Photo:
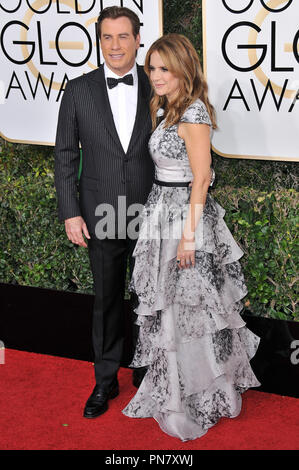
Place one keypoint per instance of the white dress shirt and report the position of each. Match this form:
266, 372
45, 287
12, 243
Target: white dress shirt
123, 102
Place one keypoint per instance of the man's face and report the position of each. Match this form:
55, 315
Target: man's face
118, 44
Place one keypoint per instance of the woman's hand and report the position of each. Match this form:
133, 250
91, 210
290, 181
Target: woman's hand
186, 253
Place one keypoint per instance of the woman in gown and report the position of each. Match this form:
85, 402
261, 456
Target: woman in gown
187, 275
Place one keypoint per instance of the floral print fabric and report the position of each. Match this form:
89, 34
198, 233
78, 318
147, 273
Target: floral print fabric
192, 337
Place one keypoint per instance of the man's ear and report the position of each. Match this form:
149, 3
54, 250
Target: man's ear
98, 33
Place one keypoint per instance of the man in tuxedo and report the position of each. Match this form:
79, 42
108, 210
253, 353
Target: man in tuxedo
107, 112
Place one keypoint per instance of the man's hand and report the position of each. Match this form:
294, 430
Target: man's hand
74, 228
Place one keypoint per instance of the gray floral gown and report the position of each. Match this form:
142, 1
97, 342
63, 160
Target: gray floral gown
192, 337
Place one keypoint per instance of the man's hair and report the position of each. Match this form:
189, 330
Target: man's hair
116, 12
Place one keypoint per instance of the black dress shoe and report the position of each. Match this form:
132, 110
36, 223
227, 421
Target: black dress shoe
138, 375
97, 403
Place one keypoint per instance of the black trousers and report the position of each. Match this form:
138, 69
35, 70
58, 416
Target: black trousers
109, 261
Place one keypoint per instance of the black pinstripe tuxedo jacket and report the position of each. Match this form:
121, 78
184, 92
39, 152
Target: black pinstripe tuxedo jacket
85, 117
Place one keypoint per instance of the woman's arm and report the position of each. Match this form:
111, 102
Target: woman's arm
197, 141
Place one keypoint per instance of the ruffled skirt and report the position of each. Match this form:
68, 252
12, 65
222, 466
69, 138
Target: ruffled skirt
192, 338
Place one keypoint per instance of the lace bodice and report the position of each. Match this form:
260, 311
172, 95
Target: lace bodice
168, 149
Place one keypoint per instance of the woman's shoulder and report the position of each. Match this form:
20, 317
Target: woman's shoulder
196, 113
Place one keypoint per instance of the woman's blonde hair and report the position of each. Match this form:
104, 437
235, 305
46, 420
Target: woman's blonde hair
181, 59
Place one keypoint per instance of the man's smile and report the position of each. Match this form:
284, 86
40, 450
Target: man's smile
116, 56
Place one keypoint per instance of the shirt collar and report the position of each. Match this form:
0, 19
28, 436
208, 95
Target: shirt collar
109, 73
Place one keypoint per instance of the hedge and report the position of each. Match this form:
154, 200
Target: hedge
34, 250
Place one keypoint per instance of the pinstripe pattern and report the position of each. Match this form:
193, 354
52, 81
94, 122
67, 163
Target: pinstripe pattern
85, 118
107, 171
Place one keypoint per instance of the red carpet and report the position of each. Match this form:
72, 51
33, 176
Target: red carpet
42, 398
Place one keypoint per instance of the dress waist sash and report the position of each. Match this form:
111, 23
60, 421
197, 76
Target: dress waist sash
183, 184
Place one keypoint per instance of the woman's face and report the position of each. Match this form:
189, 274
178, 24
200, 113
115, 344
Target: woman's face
164, 82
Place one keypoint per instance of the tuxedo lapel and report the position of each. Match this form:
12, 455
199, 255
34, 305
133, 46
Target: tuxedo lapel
99, 92
96, 81
142, 112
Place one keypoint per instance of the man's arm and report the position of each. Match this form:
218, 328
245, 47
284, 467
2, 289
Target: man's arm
67, 160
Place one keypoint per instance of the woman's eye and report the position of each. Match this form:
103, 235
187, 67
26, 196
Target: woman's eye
164, 69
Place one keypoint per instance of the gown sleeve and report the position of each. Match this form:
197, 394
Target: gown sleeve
197, 113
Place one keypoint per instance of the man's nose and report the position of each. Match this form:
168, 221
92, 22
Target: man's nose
115, 43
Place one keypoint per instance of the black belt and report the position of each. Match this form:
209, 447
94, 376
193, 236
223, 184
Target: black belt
180, 184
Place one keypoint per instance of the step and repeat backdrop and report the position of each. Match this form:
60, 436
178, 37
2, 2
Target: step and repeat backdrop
45, 43
251, 61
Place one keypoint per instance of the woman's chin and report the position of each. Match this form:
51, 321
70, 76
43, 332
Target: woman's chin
159, 92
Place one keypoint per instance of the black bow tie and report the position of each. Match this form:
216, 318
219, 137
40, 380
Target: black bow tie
113, 82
